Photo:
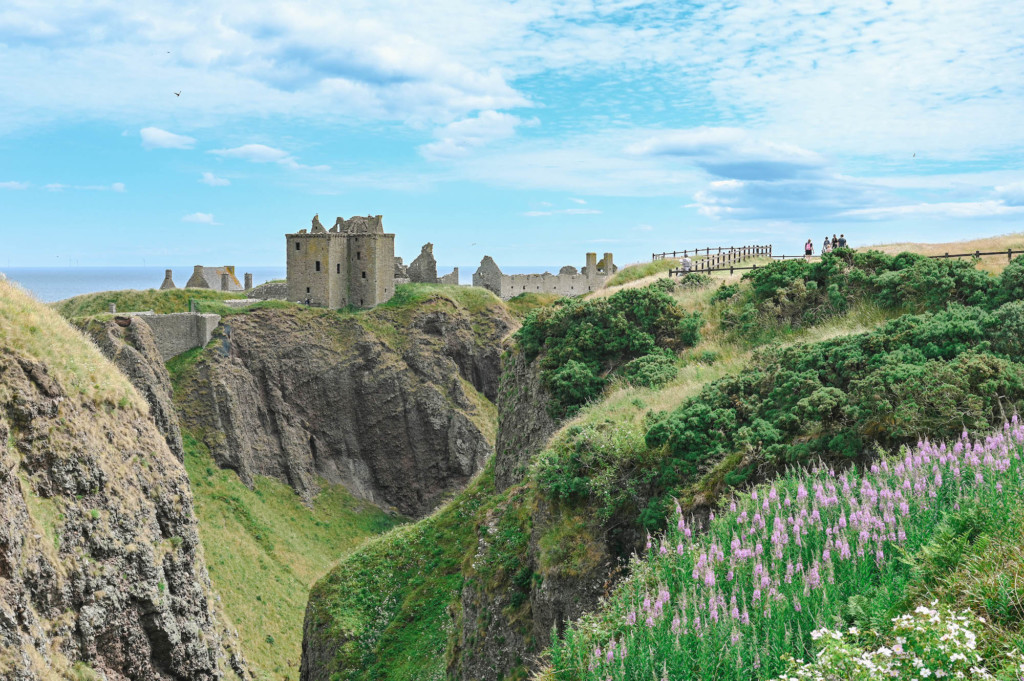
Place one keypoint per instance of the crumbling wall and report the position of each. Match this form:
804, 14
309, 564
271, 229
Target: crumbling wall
566, 283
423, 270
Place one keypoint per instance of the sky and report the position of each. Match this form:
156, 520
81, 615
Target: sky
529, 131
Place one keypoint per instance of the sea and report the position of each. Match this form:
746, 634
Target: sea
50, 284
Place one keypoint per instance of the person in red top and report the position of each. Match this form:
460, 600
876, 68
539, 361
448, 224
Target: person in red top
808, 250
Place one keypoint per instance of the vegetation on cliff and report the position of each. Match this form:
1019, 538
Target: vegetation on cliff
265, 549
160, 302
796, 565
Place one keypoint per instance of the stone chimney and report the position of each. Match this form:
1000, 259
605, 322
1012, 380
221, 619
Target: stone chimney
168, 281
608, 266
248, 281
225, 282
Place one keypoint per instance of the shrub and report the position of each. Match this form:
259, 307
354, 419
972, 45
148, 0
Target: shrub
695, 280
599, 337
650, 371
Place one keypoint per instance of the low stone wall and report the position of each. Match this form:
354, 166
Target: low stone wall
512, 285
181, 331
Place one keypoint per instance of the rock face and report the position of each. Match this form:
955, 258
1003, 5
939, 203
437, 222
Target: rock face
100, 563
524, 426
384, 403
502, 626
129, 344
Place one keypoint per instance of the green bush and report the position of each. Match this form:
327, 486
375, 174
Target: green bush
582, 343
651, 371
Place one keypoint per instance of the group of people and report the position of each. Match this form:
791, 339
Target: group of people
827, 247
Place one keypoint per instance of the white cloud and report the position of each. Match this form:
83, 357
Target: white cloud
565, 211
214, 181
1012, 194
965, 209
261, 153
459, 137
579, 201
13, 185
201, 218
155, 138
117, 187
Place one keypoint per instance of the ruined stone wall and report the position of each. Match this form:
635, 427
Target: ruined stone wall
566, 283
337, 272
181, 331
452, 278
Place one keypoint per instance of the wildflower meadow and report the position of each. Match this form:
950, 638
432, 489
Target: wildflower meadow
759, 589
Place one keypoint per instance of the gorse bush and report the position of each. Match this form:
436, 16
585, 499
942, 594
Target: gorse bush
932, 374
797, 294
815, 550
581, 344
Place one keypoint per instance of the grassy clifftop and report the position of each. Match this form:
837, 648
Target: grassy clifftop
32, 328
161, 302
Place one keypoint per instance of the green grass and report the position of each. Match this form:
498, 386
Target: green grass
161, 302
521, 305
35, 330
264, 550
641, 270
385, 606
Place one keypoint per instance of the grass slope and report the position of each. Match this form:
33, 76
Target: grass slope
992, 263
385, 605
30, 327
161, 302
264, 549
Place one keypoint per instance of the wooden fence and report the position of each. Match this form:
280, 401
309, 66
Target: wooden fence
731, 268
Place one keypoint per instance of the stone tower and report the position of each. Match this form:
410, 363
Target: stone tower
350, 264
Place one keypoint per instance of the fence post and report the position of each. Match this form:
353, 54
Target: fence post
947, 255
1009, 254
977, 254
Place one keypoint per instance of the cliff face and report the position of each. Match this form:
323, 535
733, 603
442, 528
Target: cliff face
385, 403
524, 425
129, 344
504, 617
100, 564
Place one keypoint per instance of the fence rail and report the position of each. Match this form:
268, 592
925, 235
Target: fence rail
1009, 253
716, 258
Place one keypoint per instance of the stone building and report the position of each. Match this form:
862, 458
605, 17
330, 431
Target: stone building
566, 283
353, 263
216, 278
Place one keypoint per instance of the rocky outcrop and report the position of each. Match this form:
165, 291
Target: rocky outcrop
524, 425
100, 563
128, 342
384, 402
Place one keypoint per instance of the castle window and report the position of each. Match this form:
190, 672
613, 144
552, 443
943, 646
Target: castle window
339, 268
360, 302
307, 289
359, 256
297, 245
317, 265
364, 275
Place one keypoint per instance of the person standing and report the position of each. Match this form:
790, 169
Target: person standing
808, 250
842, 241
835, 242
687, 264
827, 246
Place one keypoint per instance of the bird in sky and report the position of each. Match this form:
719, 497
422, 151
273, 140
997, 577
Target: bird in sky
178, 93
915, 155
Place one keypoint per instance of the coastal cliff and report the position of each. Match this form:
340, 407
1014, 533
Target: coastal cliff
101, 569
395, 403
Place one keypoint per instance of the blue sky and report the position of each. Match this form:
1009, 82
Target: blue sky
530, 131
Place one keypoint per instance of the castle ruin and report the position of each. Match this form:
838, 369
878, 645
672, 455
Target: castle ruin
353, 263
568, 282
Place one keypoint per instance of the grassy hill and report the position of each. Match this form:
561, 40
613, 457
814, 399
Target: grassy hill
161, 302
990, 263
793, 364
